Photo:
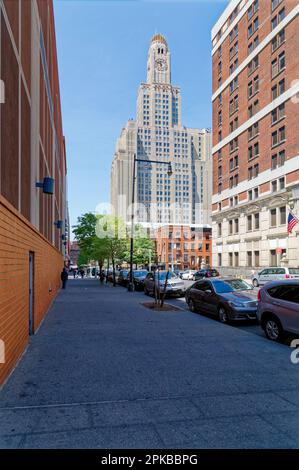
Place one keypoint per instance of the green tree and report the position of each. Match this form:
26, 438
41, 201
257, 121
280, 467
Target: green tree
91, 246
144, 247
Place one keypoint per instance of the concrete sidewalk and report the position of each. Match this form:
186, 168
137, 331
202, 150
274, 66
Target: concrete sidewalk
105, 372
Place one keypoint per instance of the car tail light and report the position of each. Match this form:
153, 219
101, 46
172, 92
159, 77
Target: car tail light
259, 295
287, 276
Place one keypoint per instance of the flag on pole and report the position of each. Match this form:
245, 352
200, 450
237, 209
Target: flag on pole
292, 221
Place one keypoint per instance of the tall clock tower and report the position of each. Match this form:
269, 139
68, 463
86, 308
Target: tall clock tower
158, 63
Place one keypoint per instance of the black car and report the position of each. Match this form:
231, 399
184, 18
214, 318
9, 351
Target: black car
228, 299
205, 273
138, 278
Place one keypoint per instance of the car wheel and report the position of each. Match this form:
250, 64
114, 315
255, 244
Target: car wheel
191, 306
255, 283
273, 329
223, 315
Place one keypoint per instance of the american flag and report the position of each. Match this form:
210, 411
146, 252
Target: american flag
292, 221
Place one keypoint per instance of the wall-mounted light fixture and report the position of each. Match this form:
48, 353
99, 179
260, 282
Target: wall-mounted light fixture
47, 185
58, 224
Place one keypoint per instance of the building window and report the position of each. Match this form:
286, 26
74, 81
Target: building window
278, 136
253, 151
234, 105
233, 34
249, 258
278, 89
230, 227
273, 258
253, 87
278, 113
273, 219
233, 145
253, 108
278, 160
275, 3
230, 259
236, 260
253, 27
278, 40
256, 258
282, 215
278, 64
274, 186
249, 223
219, 259
256, 221
253, 9
253, 131
281, 183
253, 65
236, 225
219, 230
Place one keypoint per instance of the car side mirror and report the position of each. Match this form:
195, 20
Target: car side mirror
208, 291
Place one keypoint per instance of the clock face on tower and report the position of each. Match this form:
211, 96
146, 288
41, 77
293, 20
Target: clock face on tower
161, 65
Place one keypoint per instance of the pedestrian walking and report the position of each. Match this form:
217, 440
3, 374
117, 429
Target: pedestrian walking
64, 277
82, 273
102, 277
74, 273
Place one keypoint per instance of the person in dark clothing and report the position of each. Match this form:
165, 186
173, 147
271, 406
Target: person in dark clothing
74, 273
82, 273
64, 277
102, 277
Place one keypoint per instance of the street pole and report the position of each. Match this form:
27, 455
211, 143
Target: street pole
130, 284
169, 172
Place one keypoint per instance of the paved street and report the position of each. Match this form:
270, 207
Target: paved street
105, 372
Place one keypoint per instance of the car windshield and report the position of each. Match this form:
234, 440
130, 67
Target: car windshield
224, 287
140, 273
162, 275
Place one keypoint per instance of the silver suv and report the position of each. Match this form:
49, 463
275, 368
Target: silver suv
278, 308
174, 286
274, 274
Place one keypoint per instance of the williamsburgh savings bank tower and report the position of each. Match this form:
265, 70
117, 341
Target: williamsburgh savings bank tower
182, 197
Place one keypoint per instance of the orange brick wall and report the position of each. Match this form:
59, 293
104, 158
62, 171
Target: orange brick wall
17, 238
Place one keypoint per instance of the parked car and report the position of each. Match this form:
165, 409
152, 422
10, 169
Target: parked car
274, 274
139, 276
228, 299
278, 308
178, 273
123, 277
175, 285
205, 273
188, 275
110, 275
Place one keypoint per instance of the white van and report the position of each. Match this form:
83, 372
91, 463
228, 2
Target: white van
274, 274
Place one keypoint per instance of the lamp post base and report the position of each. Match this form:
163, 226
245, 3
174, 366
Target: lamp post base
131, 287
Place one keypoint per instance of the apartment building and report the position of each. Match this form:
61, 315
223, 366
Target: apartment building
255, 134
33, 211
183, 248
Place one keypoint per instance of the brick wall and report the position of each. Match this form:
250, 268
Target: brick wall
17, 238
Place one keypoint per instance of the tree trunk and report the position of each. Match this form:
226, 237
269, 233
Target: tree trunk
113, 268
107, 271
164, 290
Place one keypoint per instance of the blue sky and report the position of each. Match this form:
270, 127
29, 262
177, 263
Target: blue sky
102, 53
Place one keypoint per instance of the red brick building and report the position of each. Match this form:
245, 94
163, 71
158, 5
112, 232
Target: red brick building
255, 134
32, 148
183, 247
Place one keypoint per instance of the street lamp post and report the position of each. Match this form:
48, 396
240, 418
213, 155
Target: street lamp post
169, 172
